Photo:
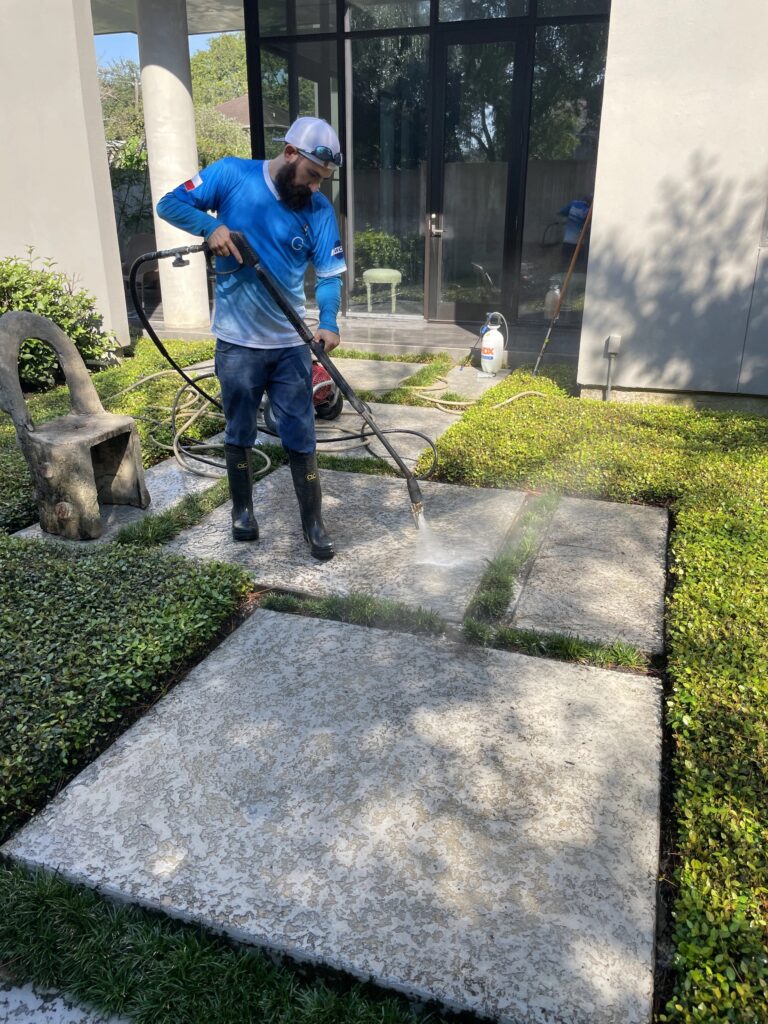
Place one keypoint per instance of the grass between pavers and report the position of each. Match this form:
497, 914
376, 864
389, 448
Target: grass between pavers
87, 642
616, 655
359, 610
123, 960
711, 468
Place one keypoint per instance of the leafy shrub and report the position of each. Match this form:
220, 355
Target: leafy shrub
52, 294
378, 249
83, 639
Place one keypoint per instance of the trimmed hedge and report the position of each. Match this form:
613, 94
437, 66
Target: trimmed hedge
139, 617
712, 468
147, 404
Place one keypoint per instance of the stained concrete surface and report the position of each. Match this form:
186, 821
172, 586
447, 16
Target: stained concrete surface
600, 574
472, 826
379, 550
25, 1004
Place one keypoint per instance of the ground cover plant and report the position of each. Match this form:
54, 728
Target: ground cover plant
711, 469
85, 641
127, 961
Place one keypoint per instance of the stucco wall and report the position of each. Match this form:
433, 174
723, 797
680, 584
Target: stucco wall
680, 197
54, 177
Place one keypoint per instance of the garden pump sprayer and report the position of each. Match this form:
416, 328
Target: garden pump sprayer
251, 259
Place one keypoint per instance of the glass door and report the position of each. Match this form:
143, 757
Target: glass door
476, 164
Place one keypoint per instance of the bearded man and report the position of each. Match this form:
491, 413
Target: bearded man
278, 207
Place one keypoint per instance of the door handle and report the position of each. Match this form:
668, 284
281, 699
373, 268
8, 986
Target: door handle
435, 232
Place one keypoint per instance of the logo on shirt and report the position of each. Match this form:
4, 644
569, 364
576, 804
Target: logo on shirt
338, 249
297, 243
193, 183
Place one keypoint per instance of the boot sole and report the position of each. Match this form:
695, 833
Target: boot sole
322, 556
244, 534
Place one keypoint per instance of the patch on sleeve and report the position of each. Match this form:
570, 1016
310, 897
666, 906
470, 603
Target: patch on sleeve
193, 183
338, 249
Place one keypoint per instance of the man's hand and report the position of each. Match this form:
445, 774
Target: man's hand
329, 338
220, 243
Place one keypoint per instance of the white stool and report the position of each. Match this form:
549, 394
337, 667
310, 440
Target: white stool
382, 275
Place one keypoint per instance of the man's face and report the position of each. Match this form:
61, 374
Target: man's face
298, 178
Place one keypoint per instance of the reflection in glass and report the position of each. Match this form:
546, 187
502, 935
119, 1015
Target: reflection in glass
296, 17
476, 151
559, 8
568, 79
386, 174
472, 10
369, 14
299, 79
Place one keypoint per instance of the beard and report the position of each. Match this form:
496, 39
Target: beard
295, 197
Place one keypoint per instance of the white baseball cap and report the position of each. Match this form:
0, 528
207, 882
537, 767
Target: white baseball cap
316, 140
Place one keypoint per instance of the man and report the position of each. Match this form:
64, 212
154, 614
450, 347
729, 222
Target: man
277, 205
575, 213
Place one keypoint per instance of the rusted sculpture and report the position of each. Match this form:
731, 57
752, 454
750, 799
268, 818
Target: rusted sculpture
77, 461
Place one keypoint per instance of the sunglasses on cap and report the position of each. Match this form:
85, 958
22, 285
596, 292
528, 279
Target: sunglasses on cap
324, 153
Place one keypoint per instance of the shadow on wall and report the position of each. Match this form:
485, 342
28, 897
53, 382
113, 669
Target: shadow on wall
682, 302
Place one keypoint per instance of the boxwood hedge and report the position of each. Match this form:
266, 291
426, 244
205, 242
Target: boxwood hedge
711, 468
139, 617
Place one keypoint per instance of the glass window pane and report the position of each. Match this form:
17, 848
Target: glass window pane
368, 14
299, 79
559, 8
477, 126
569, 70
295, 17
471, 10
386, 174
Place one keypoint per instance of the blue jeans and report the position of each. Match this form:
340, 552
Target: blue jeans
286, 376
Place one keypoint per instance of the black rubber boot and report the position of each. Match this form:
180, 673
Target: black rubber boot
240, 476
307, 485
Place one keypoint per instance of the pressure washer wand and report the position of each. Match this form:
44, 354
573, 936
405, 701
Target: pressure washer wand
251, 259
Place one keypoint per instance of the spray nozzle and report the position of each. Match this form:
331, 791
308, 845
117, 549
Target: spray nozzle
180, 262
417, 502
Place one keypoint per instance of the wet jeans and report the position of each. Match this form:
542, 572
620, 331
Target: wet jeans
286, 376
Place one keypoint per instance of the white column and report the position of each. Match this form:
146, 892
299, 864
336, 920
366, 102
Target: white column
170, 129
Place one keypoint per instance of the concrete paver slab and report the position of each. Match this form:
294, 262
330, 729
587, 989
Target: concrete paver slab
430, 422
600, 574
23, 1004
472, 826
379, 551
471, 382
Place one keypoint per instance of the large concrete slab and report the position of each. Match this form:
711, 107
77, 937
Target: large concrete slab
379, 550
472, 826
600, 574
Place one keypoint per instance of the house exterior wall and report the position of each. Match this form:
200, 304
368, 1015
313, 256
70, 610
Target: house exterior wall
54, 175
677, 261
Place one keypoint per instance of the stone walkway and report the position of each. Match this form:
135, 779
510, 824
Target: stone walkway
476, 827
472, 826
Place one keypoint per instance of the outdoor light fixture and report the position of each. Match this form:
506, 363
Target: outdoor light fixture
612, 346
